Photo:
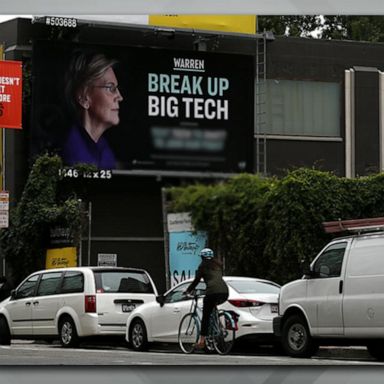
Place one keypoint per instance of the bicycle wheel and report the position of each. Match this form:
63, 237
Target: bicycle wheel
189, 332
224, 336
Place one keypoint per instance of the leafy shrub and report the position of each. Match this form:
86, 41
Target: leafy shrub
264, 227
24, 243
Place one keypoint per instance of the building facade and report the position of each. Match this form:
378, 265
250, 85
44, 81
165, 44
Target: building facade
314, 103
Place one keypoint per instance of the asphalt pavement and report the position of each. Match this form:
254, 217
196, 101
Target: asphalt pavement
336, 352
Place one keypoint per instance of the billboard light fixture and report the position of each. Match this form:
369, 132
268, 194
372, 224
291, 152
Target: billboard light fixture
167, 32
201, 42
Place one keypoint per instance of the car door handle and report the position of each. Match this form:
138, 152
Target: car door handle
28, 303
176, 310
35, 303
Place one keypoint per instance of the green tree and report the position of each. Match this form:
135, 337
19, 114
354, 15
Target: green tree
294, 26
359, 28
41, 205
228, 212
338, 27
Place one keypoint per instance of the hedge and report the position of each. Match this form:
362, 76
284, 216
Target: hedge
264, 227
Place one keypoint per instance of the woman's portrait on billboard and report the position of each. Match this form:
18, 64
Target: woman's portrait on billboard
93, 97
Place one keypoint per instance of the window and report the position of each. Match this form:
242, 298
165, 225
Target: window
305, 108
49, 284
27, 289
72, 282
330, 261
177, 294
123, 281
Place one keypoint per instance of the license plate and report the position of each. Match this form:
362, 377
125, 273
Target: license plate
128, 307
274, 308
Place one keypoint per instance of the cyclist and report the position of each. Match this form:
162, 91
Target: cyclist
210, 270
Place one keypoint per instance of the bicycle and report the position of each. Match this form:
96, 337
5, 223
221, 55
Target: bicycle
221, 330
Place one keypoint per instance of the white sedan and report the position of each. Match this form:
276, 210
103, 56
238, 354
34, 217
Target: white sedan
254, 300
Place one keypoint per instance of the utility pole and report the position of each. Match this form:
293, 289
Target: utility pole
89, 231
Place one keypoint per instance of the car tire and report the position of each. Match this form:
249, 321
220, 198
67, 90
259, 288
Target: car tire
376, 349
138, 336
296, 339
5, 334
68, 333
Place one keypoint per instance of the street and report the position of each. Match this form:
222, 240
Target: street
29, 353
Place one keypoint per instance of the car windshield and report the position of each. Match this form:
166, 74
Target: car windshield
122, 281
253, 286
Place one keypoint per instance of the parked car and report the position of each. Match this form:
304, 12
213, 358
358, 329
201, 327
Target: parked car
72, 303
254, 300
339, 300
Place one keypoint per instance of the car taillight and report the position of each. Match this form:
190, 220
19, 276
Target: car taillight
243, 303
90, 303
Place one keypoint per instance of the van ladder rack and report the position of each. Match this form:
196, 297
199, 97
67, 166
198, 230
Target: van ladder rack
357, 225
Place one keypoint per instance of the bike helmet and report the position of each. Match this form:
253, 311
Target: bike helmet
206, 253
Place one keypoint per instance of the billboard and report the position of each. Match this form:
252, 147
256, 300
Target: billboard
225, 23
184, 249
61, 258
184, 246
172, 110
10, 94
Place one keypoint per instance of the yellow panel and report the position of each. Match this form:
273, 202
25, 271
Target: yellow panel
226, 23
61, 258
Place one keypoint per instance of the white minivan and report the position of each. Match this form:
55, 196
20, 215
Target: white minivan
339, 300
72, 303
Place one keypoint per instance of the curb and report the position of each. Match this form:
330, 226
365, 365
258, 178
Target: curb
344, 352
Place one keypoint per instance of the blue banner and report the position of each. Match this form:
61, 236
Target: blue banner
184, 248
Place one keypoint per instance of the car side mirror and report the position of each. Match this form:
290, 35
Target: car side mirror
160, 299
306, 269
13, 294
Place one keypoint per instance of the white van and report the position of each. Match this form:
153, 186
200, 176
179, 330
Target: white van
339, 300
71, 303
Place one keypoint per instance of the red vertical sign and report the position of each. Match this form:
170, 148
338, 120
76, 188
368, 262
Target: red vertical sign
10, 94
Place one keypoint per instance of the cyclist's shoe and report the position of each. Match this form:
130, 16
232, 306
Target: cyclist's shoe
209, 346
199, 346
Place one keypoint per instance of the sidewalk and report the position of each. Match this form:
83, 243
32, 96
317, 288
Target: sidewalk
338, 352
329, 352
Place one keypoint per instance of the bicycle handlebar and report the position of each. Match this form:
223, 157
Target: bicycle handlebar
194, 296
